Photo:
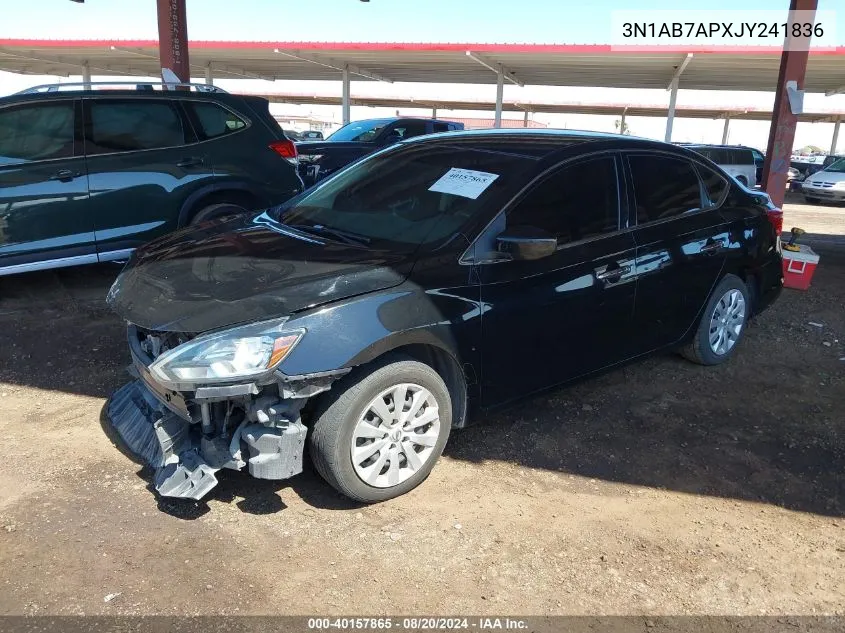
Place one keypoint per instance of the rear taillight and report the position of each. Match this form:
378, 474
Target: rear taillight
286, 149
775, 216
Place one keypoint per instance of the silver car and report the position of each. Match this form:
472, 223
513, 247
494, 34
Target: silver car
828, 184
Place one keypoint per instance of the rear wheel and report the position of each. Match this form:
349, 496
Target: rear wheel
722, 324
217, 210
378, 433
742, 180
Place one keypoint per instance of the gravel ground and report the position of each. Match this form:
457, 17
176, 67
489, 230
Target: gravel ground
659, 488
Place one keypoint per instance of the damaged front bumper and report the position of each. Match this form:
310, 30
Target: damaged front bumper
187, 436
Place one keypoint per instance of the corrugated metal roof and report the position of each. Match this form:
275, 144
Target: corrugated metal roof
532, 64
556, 107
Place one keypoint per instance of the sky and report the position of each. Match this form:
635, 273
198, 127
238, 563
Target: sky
526, 21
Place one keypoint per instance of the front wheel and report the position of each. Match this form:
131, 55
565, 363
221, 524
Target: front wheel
722, 324
214, 211
378, 433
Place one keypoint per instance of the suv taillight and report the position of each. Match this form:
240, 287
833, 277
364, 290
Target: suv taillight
775, 216
286, 149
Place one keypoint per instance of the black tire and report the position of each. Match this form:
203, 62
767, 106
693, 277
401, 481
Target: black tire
338, 412
217, 210
811, 200
742, 180
698, 350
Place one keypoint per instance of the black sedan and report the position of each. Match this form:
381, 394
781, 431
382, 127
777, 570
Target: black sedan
382, 308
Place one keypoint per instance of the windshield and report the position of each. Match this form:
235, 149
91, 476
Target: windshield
361, 131
409, 196
837, 167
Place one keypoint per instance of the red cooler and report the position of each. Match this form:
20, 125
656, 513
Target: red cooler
798, 267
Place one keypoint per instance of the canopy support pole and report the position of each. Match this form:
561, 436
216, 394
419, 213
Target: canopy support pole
500, 95
346, 108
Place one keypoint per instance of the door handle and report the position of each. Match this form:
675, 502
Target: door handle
713, 247
193, 161
613, 274
64, 175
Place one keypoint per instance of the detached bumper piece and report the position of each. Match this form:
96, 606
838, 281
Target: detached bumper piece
268, 439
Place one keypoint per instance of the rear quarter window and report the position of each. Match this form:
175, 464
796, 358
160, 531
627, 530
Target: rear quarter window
214, 120
715, 185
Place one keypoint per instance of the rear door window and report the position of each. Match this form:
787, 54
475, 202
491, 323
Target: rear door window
664, 186
214, 120
36, 132
116, 125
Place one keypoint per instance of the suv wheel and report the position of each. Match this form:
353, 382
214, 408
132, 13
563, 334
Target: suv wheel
722, 324
378, 432
742, 181
218, 210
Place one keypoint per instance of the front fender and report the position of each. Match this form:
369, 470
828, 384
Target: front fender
356, 331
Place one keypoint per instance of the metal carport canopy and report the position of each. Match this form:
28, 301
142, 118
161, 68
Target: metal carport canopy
737, 113
597, 65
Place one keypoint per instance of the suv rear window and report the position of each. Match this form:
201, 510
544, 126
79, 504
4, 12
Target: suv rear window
36, 132
131, 125
215, 120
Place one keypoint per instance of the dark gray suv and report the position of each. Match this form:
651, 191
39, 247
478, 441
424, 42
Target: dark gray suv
88, 175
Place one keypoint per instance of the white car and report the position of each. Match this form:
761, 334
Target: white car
737, 161
828, 184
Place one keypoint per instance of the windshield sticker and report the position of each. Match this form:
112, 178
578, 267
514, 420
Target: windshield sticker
464, 182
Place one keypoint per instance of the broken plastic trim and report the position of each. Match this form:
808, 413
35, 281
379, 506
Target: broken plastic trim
186, 454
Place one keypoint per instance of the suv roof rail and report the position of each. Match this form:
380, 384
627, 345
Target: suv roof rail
93, 86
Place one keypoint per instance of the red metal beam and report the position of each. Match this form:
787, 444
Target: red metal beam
793, 66
173, 35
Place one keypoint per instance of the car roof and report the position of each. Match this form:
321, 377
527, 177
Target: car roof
124, 93
391, 119
545, 143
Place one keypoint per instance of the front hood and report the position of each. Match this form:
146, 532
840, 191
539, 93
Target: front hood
826, 176
242, 270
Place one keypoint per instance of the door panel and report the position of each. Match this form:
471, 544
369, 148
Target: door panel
141, 168
44, 211
545, 324
549, 320
682, 242
678, 263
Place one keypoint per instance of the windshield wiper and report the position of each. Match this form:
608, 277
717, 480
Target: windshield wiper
343, 236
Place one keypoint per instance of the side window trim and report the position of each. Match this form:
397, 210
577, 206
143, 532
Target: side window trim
702, 191
467, 257
87, 126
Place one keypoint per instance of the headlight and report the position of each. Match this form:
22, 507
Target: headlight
242, 352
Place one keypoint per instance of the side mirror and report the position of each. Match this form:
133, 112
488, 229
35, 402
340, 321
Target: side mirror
526, 242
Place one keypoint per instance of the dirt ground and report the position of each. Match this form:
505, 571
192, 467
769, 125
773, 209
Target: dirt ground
660, 488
